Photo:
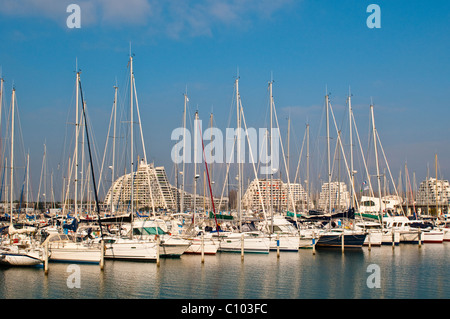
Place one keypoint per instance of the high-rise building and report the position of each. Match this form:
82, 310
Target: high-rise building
274, 193
432, 192
152, 189
340, 197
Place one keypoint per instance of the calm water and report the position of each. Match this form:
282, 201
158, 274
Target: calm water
405, 272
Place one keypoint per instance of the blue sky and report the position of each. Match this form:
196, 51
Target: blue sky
307, 46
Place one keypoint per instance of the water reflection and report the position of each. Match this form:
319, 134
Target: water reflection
406, 272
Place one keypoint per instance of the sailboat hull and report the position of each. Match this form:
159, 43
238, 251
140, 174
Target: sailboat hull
233, 244
20, 259
335, 240
285, 243
131, 250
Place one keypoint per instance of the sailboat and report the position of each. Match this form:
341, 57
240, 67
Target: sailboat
250, 240
341, 236
200, 242
132, 246
65, 247
19, 251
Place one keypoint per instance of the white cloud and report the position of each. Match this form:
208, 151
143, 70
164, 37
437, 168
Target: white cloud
175, 18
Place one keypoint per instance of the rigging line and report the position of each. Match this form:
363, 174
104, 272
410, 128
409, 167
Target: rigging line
90, 158
300, 159
106, 145
285, 164
209, 182
253, 164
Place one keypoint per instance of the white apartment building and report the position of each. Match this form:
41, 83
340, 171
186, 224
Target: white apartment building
432, 192
152, 189
273, 193
340, 197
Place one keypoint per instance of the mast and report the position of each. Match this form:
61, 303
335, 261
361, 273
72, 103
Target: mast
114, 147
212, 177
437, 202
376, 158
28, 180
76, 143
271, 154
427, 189
131, 137
352, 173
195, 164
12, 152
328, 152
238, 153
184, 153
307, 167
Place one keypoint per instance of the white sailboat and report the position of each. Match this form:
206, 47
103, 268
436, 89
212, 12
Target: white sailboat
249, 241
133, 247
337, 237
18, 252
63, 247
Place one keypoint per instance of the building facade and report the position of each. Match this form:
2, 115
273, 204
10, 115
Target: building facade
274, 193
433, 192
151, 189
340, 197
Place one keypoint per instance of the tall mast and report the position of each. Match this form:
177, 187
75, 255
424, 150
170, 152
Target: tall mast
437, 202
271, 154
238, 153
1, 99
196, 128
376, 158
184, 153
114, 147
76, 142
131, 136
352, 173
28, 180
328, 152
211, 165
307, 167
12, 152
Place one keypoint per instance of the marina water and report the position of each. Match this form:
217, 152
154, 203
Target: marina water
406, 271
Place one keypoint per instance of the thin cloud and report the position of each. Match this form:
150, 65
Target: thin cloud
173, 18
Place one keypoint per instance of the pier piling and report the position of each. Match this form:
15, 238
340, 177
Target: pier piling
102, 257
203, 249
242, 247
278, 245
420, 238
314, 245
157, 250
46, 258
393, 239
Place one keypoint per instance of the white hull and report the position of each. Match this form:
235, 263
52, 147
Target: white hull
286, 243
128, 249
306, 242
375, 238
233, 243
446, 234
409, 236
21, 258
433, 236
74, 253
308, 237
210, 246
387, 238
172, 246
